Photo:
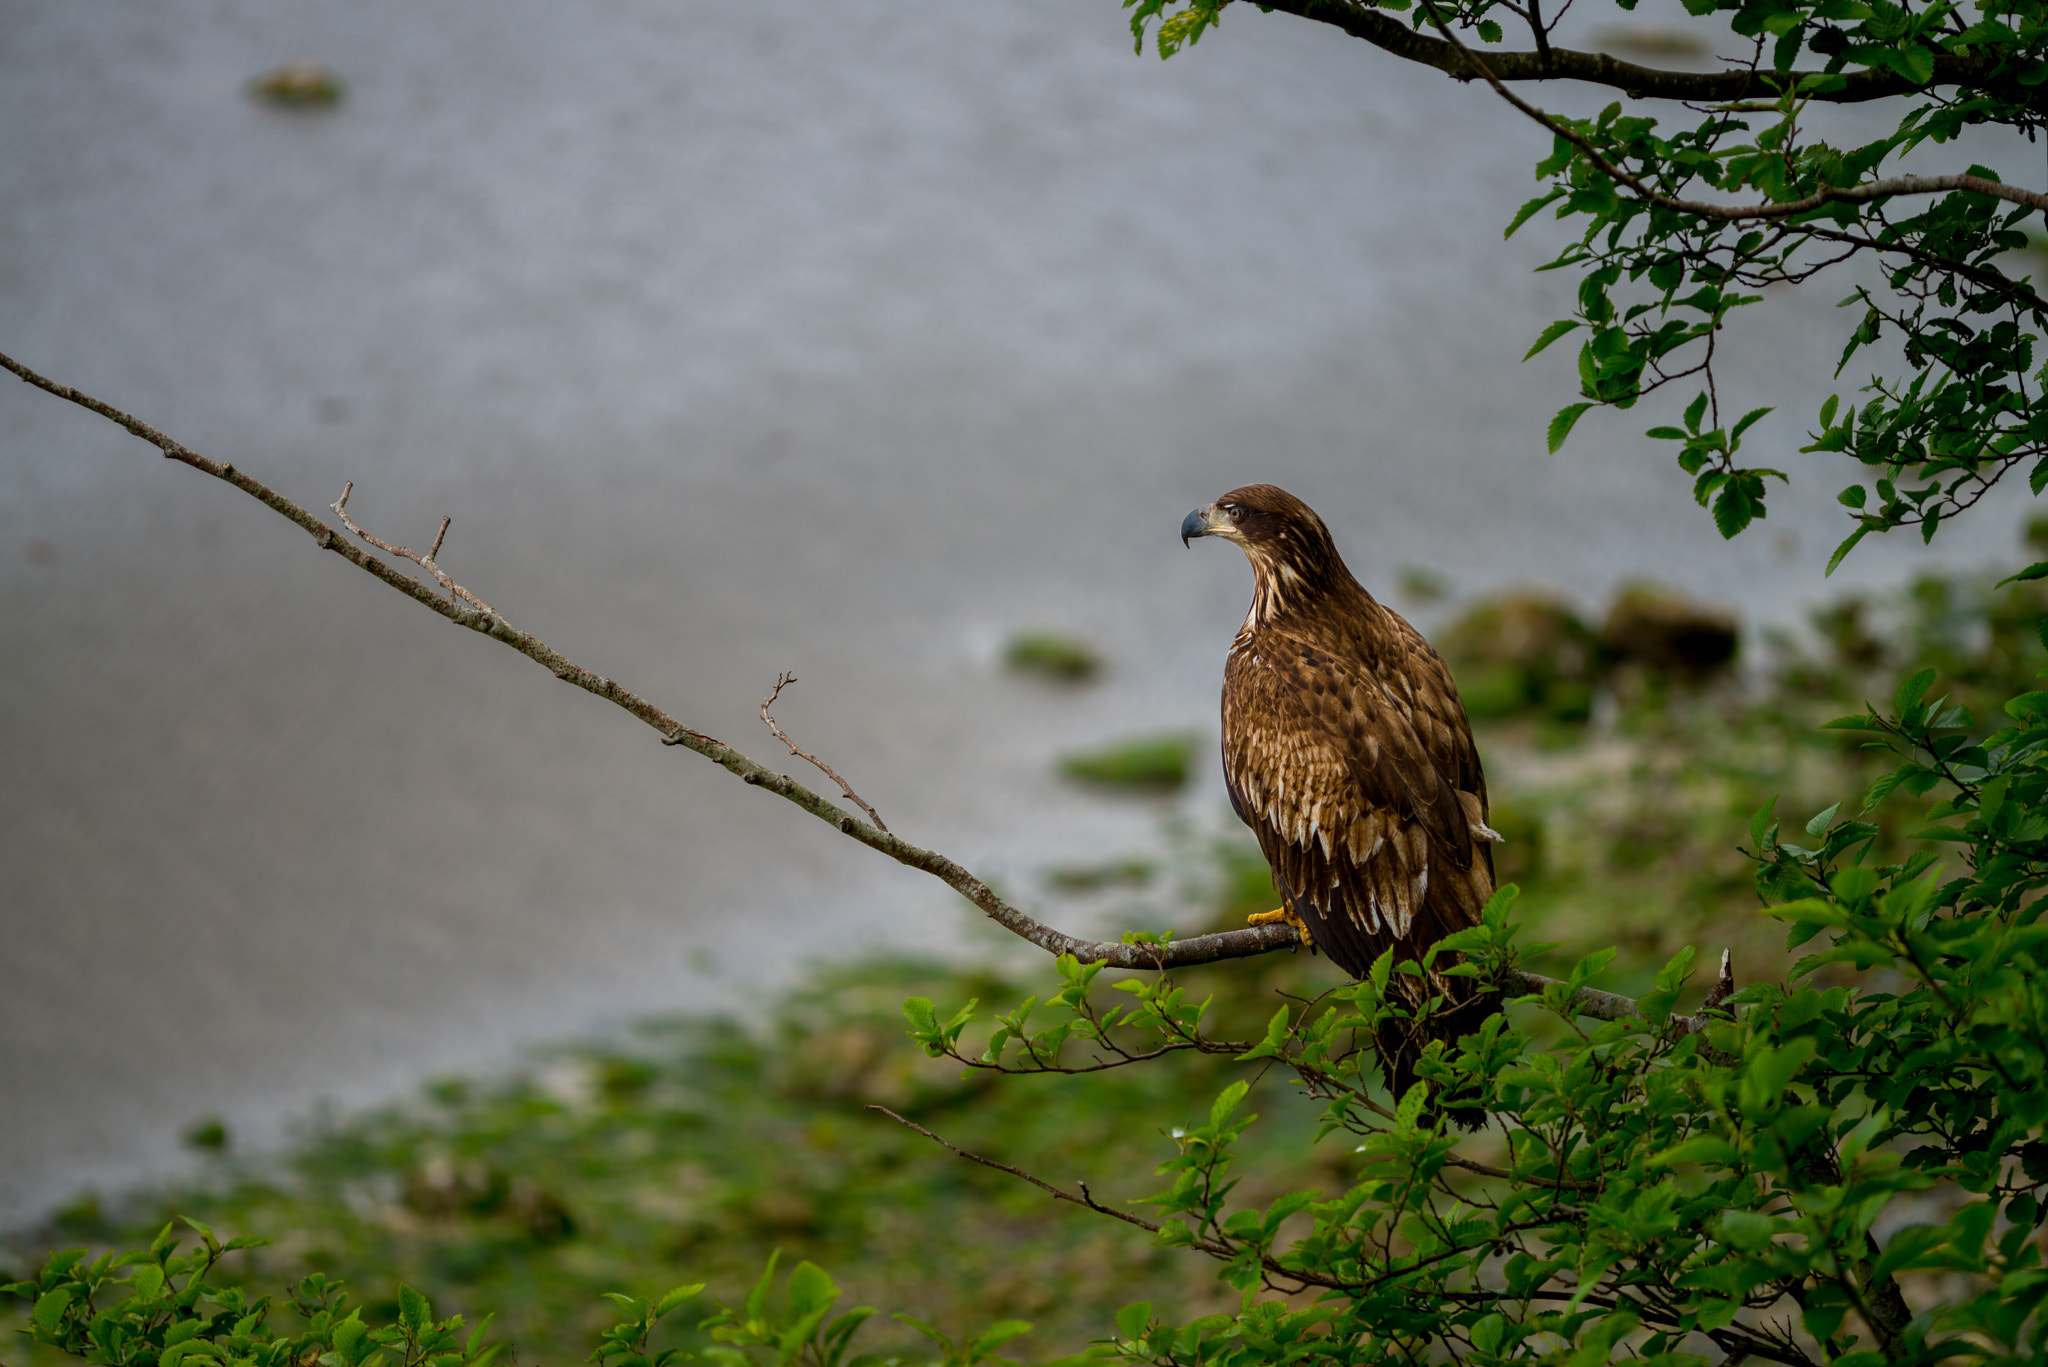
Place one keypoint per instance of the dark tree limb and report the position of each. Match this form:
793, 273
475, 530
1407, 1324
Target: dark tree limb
466, 610
1598, 68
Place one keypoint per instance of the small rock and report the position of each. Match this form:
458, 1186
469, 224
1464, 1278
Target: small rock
1669, 633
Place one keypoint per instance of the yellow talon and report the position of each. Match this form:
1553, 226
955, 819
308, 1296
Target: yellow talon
1267, 918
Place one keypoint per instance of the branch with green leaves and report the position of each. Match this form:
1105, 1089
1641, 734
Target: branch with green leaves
1668, 248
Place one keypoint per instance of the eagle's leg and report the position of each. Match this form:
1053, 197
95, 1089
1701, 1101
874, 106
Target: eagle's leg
1287, 914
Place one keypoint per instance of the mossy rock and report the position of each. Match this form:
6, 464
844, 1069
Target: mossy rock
1521, 653
1669, 633
298, 85
1152, 766
1130, 871
1052, 655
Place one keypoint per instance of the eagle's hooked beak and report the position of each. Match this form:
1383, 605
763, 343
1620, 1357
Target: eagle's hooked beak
1202, 522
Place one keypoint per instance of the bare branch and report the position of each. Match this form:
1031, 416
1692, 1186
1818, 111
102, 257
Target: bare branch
426, 562
783, 681
1598, 68
1142, 956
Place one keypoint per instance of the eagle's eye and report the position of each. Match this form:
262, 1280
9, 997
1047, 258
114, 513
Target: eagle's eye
1233, 511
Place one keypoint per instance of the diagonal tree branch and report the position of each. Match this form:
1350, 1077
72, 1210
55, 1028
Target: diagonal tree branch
457, 608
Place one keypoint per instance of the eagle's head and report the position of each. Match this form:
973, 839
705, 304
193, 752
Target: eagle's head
1282, 536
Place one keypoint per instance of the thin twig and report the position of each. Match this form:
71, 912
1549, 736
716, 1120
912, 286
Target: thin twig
1086, 1199
426, 562
783, 681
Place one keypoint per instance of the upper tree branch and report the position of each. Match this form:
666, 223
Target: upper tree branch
1484, 67
1231, 944
1597, 68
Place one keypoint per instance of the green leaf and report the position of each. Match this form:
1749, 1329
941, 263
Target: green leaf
2037, 570
1912, 691
1694, 411
1232, 1097
1133, 1320
413, 1311
1820, 822
1523, 215
1275, 1040
1706, 1149
1551, 333
1763, 831
1736, 508
757, 1299
1561, 425
676, 1298
50, 1308
996, 1335
927, 1330
810, 1289
1848, 544
1749, 420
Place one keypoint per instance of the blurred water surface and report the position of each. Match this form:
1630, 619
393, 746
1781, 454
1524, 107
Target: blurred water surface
737, 338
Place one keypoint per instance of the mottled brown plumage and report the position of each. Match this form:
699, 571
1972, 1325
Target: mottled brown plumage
1346, 749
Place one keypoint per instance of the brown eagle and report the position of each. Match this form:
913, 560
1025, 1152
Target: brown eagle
1346, 749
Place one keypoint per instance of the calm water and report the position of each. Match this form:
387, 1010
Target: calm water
737, 337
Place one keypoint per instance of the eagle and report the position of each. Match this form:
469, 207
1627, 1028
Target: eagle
1348, 753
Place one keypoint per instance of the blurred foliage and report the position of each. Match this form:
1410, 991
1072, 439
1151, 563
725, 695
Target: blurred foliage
1152, 766
1053, 655
691, 1149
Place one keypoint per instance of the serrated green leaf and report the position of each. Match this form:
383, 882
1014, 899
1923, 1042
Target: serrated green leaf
49, 1309
1555, 330
676, 1297
1566, 419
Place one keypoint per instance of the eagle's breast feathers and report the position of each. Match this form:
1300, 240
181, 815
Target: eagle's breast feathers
1346, 750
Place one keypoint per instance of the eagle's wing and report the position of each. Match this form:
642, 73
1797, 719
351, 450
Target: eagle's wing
1364, 792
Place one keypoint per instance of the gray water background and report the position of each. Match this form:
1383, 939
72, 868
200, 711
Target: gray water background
737, 337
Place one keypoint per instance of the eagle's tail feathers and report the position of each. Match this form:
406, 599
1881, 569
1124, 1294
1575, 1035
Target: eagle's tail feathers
1463, 1005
